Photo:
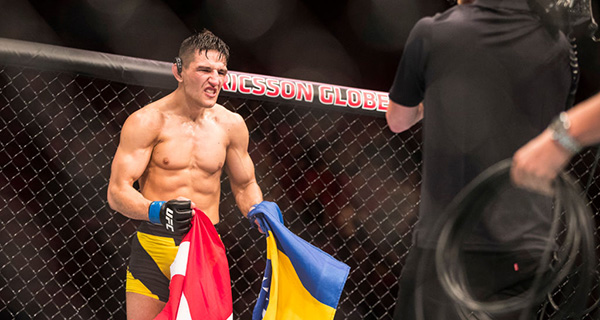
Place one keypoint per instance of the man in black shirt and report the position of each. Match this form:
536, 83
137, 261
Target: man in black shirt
487, 77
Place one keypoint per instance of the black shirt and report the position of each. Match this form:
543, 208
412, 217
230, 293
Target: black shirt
491, 77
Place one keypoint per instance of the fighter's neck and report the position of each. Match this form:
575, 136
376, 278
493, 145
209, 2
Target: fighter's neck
188, 108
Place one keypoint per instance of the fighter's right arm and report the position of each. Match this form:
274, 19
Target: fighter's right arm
139, 135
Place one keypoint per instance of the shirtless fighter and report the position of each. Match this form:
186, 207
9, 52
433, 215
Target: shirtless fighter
177, 148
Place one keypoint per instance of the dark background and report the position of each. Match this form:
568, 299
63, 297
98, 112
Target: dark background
354, 43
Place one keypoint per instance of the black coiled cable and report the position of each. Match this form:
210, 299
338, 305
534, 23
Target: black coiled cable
555, 265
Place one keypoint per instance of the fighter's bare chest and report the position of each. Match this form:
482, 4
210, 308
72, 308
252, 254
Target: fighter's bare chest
191, 148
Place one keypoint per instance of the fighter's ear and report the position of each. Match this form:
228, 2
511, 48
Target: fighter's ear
179, 64
176, 69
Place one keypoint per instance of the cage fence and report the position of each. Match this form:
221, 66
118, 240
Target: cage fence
343, 180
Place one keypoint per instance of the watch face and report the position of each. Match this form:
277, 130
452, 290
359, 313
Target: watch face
560, 133
557, 125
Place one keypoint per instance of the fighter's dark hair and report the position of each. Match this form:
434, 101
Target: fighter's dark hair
202, 41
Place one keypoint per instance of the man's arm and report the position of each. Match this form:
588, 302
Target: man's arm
537, 164
406, 95
585, 121
138, 136
240, 168
400, 118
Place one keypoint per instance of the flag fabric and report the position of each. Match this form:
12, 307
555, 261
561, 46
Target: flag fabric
300, 280
200, 287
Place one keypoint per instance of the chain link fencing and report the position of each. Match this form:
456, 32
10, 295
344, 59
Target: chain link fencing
343, 180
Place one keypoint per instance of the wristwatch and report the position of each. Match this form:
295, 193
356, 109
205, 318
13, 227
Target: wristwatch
560, 133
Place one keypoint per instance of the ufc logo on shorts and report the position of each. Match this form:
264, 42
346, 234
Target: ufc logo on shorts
169, 216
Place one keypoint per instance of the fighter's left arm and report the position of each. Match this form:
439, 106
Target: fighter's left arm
240, 168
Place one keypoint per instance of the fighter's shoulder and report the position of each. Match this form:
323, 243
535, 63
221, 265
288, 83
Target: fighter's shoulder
147, 118
228, 117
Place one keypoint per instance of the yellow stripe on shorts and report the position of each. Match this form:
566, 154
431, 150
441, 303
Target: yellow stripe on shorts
162, 250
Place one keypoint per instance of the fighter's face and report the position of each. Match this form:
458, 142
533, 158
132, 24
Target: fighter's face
203, 77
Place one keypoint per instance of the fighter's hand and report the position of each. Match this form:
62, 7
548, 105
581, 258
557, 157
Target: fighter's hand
256, 220
175, 215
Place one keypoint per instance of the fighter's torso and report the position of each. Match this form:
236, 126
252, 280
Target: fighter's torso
187, 160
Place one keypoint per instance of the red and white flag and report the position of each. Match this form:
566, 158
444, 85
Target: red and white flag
200, 286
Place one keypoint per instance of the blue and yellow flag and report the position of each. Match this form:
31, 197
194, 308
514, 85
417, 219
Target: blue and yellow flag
301, 281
